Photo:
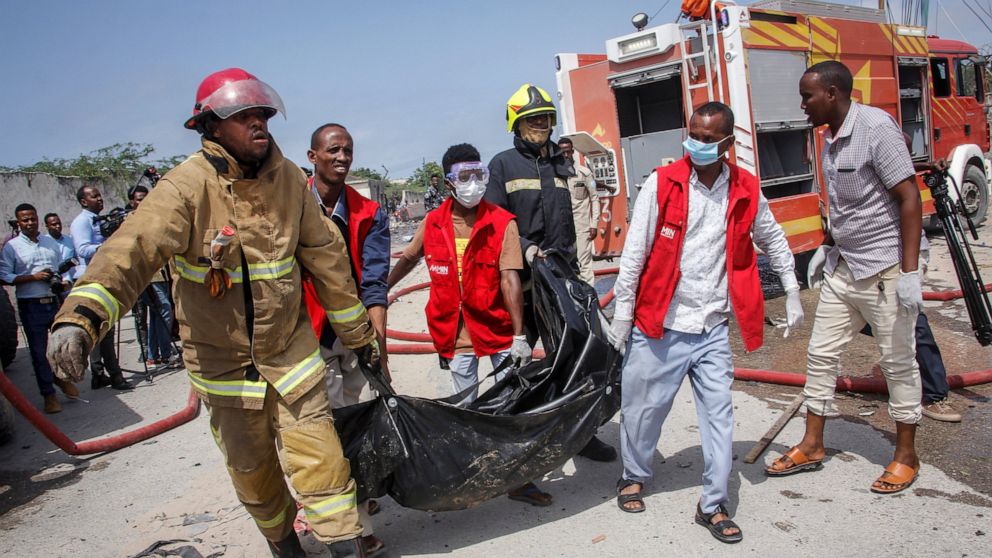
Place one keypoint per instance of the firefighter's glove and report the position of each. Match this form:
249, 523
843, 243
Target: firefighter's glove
909, 292
218, 281
533, 251
68, 347
520, 351
793, 311
619, 332
369, 354
814, 272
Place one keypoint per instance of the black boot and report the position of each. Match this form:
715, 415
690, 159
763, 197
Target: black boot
287, 548
117, 381
597, 450
351, 548
99, 380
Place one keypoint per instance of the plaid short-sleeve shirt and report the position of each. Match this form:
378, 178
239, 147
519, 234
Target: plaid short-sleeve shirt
860, 165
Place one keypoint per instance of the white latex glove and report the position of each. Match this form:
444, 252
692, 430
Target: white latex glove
619, 332
68, 347
793, 311
532, 251
520, 351
909, 292
814, 273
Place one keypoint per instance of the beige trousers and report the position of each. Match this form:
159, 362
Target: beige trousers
345, 383
845, 306
581, 209
263, 446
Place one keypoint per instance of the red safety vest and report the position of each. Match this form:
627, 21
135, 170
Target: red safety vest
361, 213
479, 299
661, 270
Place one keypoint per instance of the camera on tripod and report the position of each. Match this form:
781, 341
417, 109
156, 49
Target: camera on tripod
112, 221
55, 281
951, 213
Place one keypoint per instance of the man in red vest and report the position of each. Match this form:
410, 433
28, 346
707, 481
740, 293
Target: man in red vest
473, 254
687, 264
365, 228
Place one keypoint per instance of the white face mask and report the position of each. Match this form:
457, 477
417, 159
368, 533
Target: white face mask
470, 193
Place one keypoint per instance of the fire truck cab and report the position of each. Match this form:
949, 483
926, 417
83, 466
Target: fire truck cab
627, 110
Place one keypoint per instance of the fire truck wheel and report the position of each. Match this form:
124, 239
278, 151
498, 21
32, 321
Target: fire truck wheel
8, 330
975, 194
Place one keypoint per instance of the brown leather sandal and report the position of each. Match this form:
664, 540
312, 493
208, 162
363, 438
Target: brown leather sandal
800, 463
900, 477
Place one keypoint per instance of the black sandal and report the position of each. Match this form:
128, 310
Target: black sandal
716, 529
628, 498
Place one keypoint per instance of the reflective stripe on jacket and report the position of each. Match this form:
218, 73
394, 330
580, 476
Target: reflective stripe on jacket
535, 190
661, 270
279, 230
479, 298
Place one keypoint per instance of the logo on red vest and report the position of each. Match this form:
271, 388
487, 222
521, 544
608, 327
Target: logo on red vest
438, 268
667, 232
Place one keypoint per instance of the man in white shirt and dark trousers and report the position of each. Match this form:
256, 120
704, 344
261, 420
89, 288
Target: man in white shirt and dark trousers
29, 262
689, 262
87, 238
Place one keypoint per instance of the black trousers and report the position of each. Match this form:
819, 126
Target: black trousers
932, 370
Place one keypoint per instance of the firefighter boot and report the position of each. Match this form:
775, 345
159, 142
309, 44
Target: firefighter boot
287, 548
351, 548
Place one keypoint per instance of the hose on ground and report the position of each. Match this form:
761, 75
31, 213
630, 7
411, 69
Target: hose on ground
101, 445
857, 384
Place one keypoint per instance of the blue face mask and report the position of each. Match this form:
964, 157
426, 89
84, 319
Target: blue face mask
702, 154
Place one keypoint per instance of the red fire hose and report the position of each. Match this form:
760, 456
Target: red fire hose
110, 443
858, 384
944, 296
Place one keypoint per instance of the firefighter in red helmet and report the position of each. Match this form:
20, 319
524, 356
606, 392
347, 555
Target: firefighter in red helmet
237, 224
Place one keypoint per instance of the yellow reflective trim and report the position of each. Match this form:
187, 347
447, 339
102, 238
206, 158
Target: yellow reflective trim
803, 225
229, 388
346, 315
271, 270
523, 184
95, 291
274, 522
331, 506
300, 372
198, 273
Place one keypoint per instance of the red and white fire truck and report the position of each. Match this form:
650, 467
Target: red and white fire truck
626, 110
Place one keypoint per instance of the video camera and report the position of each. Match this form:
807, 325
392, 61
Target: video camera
55, 281
950, 214
112, 221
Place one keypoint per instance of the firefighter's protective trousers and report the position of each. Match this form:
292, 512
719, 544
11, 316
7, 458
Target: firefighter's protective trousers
300, 434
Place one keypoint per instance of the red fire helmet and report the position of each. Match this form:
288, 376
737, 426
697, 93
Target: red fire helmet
230, 91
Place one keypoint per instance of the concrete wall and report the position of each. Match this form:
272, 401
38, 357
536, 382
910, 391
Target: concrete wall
50, 193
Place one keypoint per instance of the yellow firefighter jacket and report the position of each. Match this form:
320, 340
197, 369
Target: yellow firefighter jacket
279, 229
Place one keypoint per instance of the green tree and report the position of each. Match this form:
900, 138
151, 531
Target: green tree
366, 173
421, 177
121, 161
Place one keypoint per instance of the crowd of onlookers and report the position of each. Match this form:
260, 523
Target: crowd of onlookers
42, 269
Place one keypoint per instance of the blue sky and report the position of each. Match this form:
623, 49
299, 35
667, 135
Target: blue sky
407, 78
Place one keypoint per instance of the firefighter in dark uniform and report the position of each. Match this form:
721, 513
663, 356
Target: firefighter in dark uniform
530, 180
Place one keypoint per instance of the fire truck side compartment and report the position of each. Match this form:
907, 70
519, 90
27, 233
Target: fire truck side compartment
782, 130
913, 94
652, 126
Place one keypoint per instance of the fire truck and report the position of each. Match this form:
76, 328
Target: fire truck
626, 111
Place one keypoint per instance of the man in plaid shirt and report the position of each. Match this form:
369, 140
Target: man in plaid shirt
871, 268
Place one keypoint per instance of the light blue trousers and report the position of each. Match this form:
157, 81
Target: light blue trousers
465, 372
653, 371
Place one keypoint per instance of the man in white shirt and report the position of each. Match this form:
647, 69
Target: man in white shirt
29, 262
687, 263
